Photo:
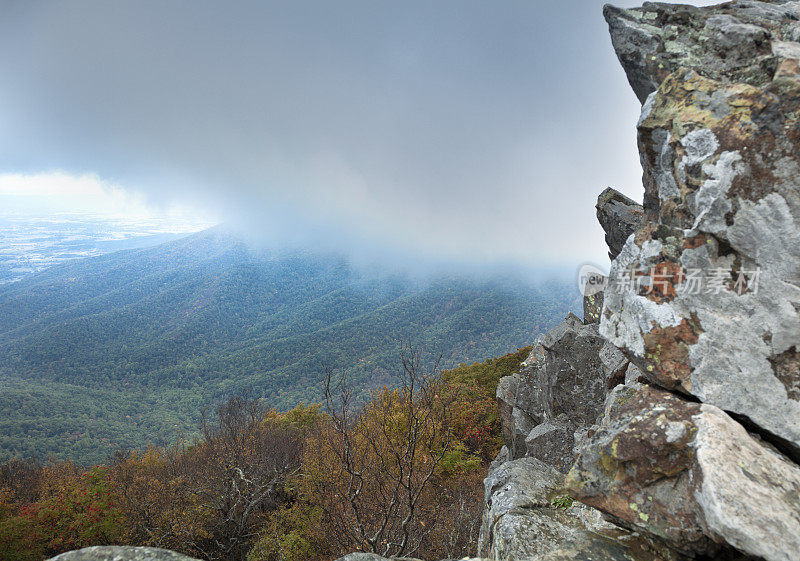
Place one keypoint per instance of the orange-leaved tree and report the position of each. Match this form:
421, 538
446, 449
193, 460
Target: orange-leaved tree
210, 499
373, 471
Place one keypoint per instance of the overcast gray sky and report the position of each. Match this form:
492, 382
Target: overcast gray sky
474, 130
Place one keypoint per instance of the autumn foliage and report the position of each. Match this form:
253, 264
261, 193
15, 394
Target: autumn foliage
72, 507
399, 473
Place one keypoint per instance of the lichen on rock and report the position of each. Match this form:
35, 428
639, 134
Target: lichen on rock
719, 140
525, 519
691, 475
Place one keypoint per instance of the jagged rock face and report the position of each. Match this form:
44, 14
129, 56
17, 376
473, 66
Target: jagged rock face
560, 388
631, 469
570, 381
615, 365
715, 307
689, 474
620, 217
121, 553
732, 42
515, 420
703, 298
524, 520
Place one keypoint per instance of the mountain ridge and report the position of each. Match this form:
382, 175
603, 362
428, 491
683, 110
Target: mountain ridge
185, 324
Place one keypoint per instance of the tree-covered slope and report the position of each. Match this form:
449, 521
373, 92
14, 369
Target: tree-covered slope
126, 348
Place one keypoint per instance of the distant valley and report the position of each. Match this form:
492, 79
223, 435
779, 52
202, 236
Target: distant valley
127, 348
30, 244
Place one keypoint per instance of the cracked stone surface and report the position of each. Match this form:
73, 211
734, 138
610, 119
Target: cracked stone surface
705, 295
561, 387
522, 520
744, 41
690, 475
619, 216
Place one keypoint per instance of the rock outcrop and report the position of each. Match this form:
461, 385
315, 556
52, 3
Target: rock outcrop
706, 294
686, 404
529, 517
620, 217
121, 553
689, 474
552, 442
560, 389
732, 42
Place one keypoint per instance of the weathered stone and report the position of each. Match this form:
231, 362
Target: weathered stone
503, 456
690, 475
552, 443
563, 378
528, 517
514, 422
719, 142
620, 217
598, 550
634, 376
570, 381
529, 396
121, 553
361, 556
580, 438
706, 294
615, 364
517, 485
732, 42
631, 469
618, 398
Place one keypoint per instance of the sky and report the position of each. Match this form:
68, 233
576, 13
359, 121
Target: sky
457, 129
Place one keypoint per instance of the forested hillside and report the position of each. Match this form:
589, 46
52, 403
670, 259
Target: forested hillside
290, 470
125, 349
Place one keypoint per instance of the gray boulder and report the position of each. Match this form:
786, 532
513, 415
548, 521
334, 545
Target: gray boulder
361, 556
691, 476
619, 216
503, 456
571, 381
528, 517
634, 376
121, 553
731, 42
617, 399
515, 421
615, 365
552, 443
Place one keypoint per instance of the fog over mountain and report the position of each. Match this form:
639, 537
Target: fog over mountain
145, 337
464, 130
